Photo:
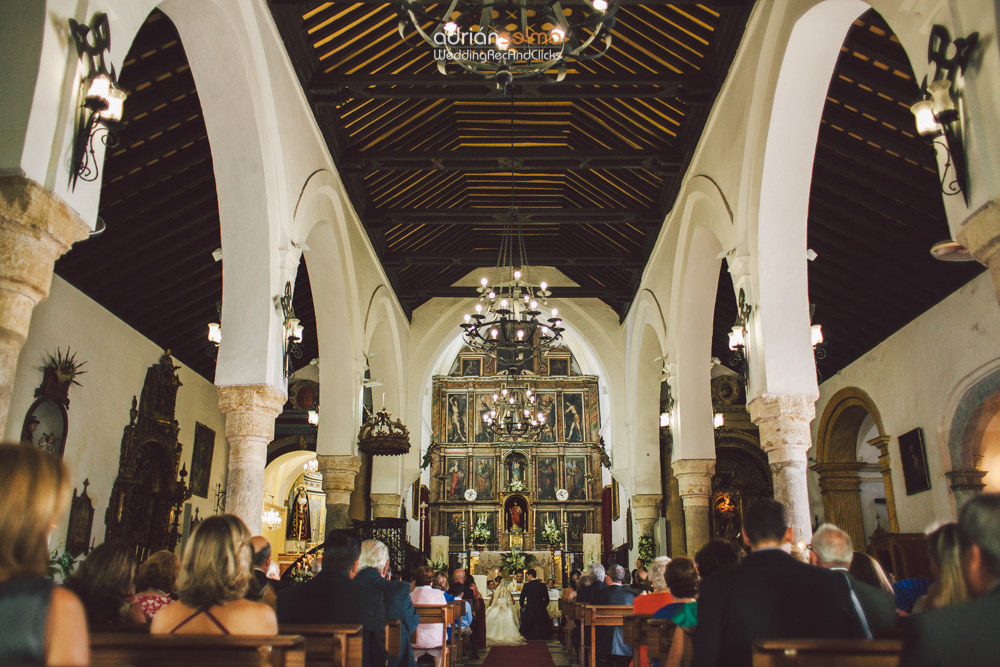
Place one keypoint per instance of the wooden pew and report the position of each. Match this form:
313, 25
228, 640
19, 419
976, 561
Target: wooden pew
603, 616
393, 633
127, 649
827, 653
436, 614
329, 645
659, 637
566, 610
580, 618
635, 629
457, 645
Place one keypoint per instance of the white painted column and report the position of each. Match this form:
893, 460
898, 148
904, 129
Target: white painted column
783, 420
250, 413
694, 481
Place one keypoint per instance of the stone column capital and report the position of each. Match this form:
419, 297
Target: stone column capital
980, 233
646, 510
769, 407
839, 477
42, 214
880, 442
252, 398
385, 505
339, 473
694, 480
967, 480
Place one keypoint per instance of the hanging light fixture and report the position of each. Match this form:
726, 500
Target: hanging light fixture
293, 330
380, 435
271, 519
506, 324
310, 466
514, 417
508, 40
738, 340
215, 334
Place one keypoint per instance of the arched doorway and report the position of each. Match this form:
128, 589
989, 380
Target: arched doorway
852, 460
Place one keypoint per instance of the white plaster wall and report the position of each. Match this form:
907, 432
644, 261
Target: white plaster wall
117, 357
910, 377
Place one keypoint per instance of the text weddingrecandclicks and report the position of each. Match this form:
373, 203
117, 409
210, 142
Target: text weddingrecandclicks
478, 55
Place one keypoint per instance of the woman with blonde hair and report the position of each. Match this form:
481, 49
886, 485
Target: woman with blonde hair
215, 573
40, 623
946, 569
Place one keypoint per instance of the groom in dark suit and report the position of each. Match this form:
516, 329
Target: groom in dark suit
332, 596
966, 634
535, 621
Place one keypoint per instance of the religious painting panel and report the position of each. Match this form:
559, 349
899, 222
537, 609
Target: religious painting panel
455, 470
484, 410
573, 417
548, 477
541, 518
576, 477
593, 415
515, 510
485, 471
516, 471
452, 526
45, 426
472, 367
201, 459
547, 407
457, 427
559, 366
913, 458
576, 526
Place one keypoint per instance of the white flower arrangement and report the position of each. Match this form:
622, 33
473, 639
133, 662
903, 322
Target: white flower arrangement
481, 531
516, 485
552, 534
516, 561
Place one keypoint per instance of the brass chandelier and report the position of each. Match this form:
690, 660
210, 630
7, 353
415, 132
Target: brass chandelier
513, 417
507, 40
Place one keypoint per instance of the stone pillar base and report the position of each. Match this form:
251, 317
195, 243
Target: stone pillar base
36, 228
339, 473
783, 421
250, 413
694, 480
385, 505
646, 510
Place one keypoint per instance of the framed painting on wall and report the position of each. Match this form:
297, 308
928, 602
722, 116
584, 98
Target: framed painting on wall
577, 526
559, 366
472, 366
573, 417
452, 527
201, 459
576, 477
548, 477
913, 458
455, 474
550, 427
484, 410
485, 478
457, 427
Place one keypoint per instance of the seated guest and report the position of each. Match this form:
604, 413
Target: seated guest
946, 570
964, 635
261, 588
216, 571
770, 596
866, 569
611, 641
832, 549
682, 580
429, 635
717, 555
332, 596
457, 592
441, 583
651, 602
373, 571
104, 581
597, 582
156, 582
40, 623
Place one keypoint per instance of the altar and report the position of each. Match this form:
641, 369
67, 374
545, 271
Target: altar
545, 563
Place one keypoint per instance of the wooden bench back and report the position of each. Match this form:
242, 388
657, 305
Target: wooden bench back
393, 632
659, 636
437, 614
330, 645
827, 653
635, 629
128, 649
603, 616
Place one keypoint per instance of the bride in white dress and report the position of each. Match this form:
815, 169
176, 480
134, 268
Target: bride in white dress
502, 620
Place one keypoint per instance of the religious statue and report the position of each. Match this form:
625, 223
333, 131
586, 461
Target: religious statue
299, 527
726, 518
516, 517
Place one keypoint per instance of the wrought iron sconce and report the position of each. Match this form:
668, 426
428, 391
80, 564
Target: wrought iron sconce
293, 330
818, 346
939, 114
738, 340
667, 410
215, 334
103, 101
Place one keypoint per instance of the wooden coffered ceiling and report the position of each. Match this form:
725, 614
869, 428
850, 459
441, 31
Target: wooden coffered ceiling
598, 158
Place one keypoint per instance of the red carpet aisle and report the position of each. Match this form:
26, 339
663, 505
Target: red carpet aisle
532, 654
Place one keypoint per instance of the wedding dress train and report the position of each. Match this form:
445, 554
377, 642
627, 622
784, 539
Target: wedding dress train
502, 620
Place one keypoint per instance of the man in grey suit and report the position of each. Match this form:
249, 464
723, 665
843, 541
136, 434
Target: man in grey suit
968, 634
832, 549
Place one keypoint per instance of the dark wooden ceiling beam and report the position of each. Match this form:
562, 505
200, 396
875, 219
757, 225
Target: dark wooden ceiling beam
495, 216
727, 5
168, 143
498, 160
489, 259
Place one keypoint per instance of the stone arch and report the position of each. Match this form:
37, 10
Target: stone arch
972, 439
782, 359
220, 52
843, 422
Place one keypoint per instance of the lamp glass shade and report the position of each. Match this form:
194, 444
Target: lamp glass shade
720, 419
215, 333
98, 91
737, 338
297, 332
927, 123
313, 417
944, 104
816, 333
116, 105
664, 419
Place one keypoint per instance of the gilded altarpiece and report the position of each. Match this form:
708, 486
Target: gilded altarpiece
516, 484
